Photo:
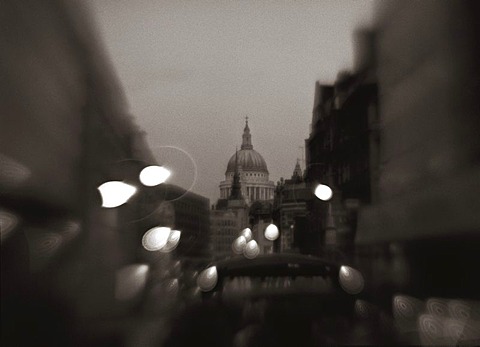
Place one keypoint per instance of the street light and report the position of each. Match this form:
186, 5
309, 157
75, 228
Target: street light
251, 249
161, 239
271, 232
247, 233
208, 278
115, 193
323, 192
239, 244
156, 238
154, 175
172, 242
351, 280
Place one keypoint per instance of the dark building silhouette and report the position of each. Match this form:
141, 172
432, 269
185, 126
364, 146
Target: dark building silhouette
342, 151
65, 129
230, 215
422, 229
292, 197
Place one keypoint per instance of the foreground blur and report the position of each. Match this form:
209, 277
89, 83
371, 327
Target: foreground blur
78, 269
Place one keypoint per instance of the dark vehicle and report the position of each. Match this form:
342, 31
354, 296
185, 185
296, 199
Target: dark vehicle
278, 300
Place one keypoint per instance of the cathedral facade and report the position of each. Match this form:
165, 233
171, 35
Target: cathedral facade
252, 170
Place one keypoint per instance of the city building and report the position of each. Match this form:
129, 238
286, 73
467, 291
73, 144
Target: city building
423, 228
429, 120
342, 150
290, 213
260, 217
230, 217
225, 228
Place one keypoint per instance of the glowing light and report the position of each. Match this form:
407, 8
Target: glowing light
115, 193
172, 242
8, 222
12, 173
407, 308
437, 306
239, 244
154, 175
251, 249
156, 238
130, 281
43, 247
247, 233
459, 309
171, 288
207, 280
69, 230
364, 309
430, 329
462, 331
323, 192
271, 232
351, 280
195, 293
176, 157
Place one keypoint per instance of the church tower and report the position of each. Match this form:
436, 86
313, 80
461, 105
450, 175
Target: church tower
236, 191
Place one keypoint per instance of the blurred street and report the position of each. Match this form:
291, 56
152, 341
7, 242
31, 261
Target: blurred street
240, 174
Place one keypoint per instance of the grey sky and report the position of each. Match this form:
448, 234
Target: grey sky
192, 70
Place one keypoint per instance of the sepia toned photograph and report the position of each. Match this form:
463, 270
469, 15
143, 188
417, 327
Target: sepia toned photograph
239, 173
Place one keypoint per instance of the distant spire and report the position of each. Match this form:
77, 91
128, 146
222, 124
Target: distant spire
297, 173
236, 160
236, 191
247, 138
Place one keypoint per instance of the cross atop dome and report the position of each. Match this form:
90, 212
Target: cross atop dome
247, 138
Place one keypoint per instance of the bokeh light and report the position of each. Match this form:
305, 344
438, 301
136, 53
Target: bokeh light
364, 309
182, 164
239, 244
154, 175
430, 328
271, 232
115, 193
407, 308
437, 306
460, 309
43, 247
207, 280
130, 281
251, 249
323, 192
12, 173
351, 280
156, 238
8, 222
247, 233
172, 242
69, 230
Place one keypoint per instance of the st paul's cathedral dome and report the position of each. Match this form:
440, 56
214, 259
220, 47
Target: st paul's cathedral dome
252, 170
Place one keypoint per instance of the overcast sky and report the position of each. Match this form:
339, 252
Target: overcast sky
192, 71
